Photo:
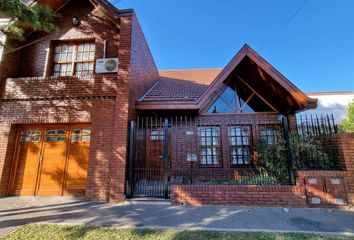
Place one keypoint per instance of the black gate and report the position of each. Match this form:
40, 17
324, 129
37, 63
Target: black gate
148, 158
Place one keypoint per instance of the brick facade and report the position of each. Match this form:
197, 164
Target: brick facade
31, 95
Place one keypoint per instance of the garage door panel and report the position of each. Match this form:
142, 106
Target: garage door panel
52, 170
78, 162
27, 166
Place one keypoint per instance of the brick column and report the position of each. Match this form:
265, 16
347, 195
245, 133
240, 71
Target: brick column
346, 148
7, 145
121, 119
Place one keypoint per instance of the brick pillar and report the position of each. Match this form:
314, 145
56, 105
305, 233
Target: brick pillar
346, 148
7, 145
121, 117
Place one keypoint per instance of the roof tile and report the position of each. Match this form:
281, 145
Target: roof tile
181, 85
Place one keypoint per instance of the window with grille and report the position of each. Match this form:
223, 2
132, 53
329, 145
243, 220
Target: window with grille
157, 135
81, 135
270, 134
74, 59
55, 135
240, 144
209, 145
31, 136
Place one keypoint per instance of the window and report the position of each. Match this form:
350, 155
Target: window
81, 135
55, 135
240, 142
73, 59
209, 145
157, 135
241, 99
270, 135
31, 136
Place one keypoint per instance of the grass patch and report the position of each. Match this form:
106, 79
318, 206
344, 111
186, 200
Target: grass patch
54, 232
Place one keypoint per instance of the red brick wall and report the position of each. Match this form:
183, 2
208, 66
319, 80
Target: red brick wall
344, 144
143, 71
284, 196
93, 25
104, 101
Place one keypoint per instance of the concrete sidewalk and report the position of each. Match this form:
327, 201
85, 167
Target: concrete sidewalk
17, 211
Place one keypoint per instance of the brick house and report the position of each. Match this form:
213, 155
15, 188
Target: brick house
64, 122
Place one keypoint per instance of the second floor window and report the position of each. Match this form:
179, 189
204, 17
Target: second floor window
74, 59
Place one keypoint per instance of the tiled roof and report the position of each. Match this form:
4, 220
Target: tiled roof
181, 85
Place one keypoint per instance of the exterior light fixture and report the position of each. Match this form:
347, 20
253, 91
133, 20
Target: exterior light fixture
76, 21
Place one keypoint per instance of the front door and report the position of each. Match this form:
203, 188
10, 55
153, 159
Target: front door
148, 176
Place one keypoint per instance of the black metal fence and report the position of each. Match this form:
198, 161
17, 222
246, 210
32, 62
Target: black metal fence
312, 146
240, 149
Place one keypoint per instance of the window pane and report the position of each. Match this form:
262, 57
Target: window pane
58, 49
92, 55
91, 66
50, 138
60, 132
56, 57
77, 131
60, 138
86, 138
64, 48
86, 56
75, 138
86, 131
56, 67
51, 132
36, 139
79, 56
69, 67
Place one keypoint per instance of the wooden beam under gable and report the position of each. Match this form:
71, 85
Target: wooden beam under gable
258, 95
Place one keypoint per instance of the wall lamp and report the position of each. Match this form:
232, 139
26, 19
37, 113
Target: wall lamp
76, 21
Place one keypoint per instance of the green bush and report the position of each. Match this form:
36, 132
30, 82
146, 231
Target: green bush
347, 124
272, 161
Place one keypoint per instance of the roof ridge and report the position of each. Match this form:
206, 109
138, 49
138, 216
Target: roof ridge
188, 69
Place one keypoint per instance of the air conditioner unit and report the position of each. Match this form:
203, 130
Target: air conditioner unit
107, 65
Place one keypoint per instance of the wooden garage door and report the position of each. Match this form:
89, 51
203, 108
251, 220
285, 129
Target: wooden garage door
51, 160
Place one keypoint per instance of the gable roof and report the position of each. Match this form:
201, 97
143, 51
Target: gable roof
196, 89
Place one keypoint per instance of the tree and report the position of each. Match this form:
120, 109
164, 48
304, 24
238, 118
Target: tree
347, 124
35, 17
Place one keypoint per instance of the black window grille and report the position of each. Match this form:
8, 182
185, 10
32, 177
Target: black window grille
270, 134
209, 145
240, 145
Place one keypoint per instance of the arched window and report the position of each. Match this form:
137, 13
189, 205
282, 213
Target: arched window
31, 136
81, 135
55, 135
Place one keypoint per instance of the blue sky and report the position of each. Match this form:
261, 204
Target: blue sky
315, 51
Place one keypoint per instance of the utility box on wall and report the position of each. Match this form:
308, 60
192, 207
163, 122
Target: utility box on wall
325, 191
